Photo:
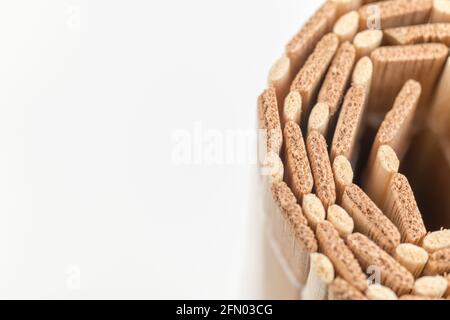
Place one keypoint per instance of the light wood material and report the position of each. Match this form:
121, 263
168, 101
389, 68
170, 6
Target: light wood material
292, 110
393, 274
379, 175
319, 118
401, 208
343, 290
397, 13
321, 168
344, 6
343, 175
345, 263
269, 122
308, 80
412, 257
369, 219
298, 170
437, 240
280, 78
321, 274
397, 64
338, 77
347, 26
379, 292
430, 286
440, 115
341, 220
366, 41
440, 11
362, 74
313, 210
439, 263
424, 33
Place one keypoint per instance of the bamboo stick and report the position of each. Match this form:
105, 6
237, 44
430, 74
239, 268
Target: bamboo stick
431, 287
397, 13
319, 118
379, 292
424, 33
440, 115
440, 11
393, 275
437, 240
308, 80
412, 257
343, 175
401, 208
366, 41
439, 263
321, 168
337, 78
321, 274
269, 122
344, 6
341, 220
280, 78
362, 74
346, 266
347, 26
313, 210
397, 64
272, 171
343, 290
292, 110
297, 165
369, 219
379, 175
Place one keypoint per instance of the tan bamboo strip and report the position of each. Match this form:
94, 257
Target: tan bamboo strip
343, 175
430, 286
308, 80
412, 257
291, 231
314, 210
342, 290
369, 219
379, 175
348, 126
437, 240
397, 64
423, 33
321, 168
269, 121
292, 110
344, 6
362, 74
401, 208
439, 263
379, 292
439, 116
397, 13
345, 263
366, 41
280, 78
347, 26
440, 11
337, 78
297, 164
319, 118
272, 170
393, 275
321, 274
341, 220
303, 43
396, 128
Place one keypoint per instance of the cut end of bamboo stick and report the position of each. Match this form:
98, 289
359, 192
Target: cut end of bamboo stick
343, 290
439, 263
313, 210
279, 70
321, 168
347, 26
345, 263
412, 257
319, 118
366, 41
379, 292
343, 175
437, 240
440, 11
273, 168
321, 274
430, 286
298, 168
292, 107
341, 220
362, 74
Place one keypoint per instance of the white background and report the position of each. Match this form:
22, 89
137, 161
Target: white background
92, 204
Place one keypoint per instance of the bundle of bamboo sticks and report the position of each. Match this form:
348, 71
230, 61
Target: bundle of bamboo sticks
356, 122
